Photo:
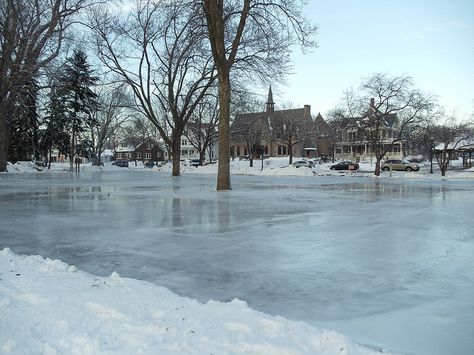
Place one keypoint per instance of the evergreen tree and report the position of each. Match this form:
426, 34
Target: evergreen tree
80, 101
24, 125
54, 133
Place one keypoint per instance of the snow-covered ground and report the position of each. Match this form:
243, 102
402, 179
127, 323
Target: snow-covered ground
386, 261
270, 167
48, 307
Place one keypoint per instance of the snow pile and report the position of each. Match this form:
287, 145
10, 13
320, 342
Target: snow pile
49, 307
23, 167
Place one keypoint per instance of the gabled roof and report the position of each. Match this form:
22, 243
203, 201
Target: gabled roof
130, 148
121, 149
248, 118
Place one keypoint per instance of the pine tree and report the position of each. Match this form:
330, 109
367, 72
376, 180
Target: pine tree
54, 133
24, 124
77, 81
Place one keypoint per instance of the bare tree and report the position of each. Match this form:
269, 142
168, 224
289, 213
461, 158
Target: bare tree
250, 37
336, 123
449, 135
290, 128
137, 132
160, 52
32, 33
113, 113
201, 130
250, 132
383, 110
248, 129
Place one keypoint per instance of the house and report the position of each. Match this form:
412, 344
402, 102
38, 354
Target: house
148, 150
272, 132
323, 141
202, 135
461, 147
189, 151
356, 137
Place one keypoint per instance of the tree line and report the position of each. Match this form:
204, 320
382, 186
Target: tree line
422, 123
166, 68
165, 61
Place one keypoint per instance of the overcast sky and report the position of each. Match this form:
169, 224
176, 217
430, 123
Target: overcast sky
429, 40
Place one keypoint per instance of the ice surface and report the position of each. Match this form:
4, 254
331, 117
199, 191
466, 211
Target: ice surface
362, 255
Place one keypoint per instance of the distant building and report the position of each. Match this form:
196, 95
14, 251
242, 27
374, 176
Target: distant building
270, 131
148, 150
353, 143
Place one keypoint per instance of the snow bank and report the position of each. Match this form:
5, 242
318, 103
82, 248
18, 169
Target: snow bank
49, 307
271, 167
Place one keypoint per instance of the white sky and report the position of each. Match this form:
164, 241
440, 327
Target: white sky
429, 40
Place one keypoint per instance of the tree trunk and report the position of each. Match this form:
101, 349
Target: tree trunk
71, 152
223, 169
290, 152
4, 139
176, 154
377, 166
49, 157
202, 157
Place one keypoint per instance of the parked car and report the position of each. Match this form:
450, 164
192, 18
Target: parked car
304, 163
150, 164
400, 165
195, 162
121, 163
345, 165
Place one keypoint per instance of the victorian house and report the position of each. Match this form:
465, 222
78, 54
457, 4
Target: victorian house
359, 135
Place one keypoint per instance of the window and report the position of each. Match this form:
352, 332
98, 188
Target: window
281, 150
119, 155
147, 156
139, 155
150, 145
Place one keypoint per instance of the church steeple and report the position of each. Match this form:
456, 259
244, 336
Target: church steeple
270, 103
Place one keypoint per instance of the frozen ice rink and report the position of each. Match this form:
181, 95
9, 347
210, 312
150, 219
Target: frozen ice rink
388, 262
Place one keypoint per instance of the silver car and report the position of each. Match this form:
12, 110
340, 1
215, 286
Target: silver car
400, 165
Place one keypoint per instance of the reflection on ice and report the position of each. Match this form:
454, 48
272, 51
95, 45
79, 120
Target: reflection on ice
316, 248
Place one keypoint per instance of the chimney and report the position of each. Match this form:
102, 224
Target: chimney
307, 111
372, 102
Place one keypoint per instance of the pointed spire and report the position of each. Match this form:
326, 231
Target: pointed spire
270, 103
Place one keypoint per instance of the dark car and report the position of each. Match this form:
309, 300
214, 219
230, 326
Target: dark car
345, 165
121, 163
195, 162
400, 165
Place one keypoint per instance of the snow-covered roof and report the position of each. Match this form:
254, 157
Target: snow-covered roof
464, 144
127, 148
108, 152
